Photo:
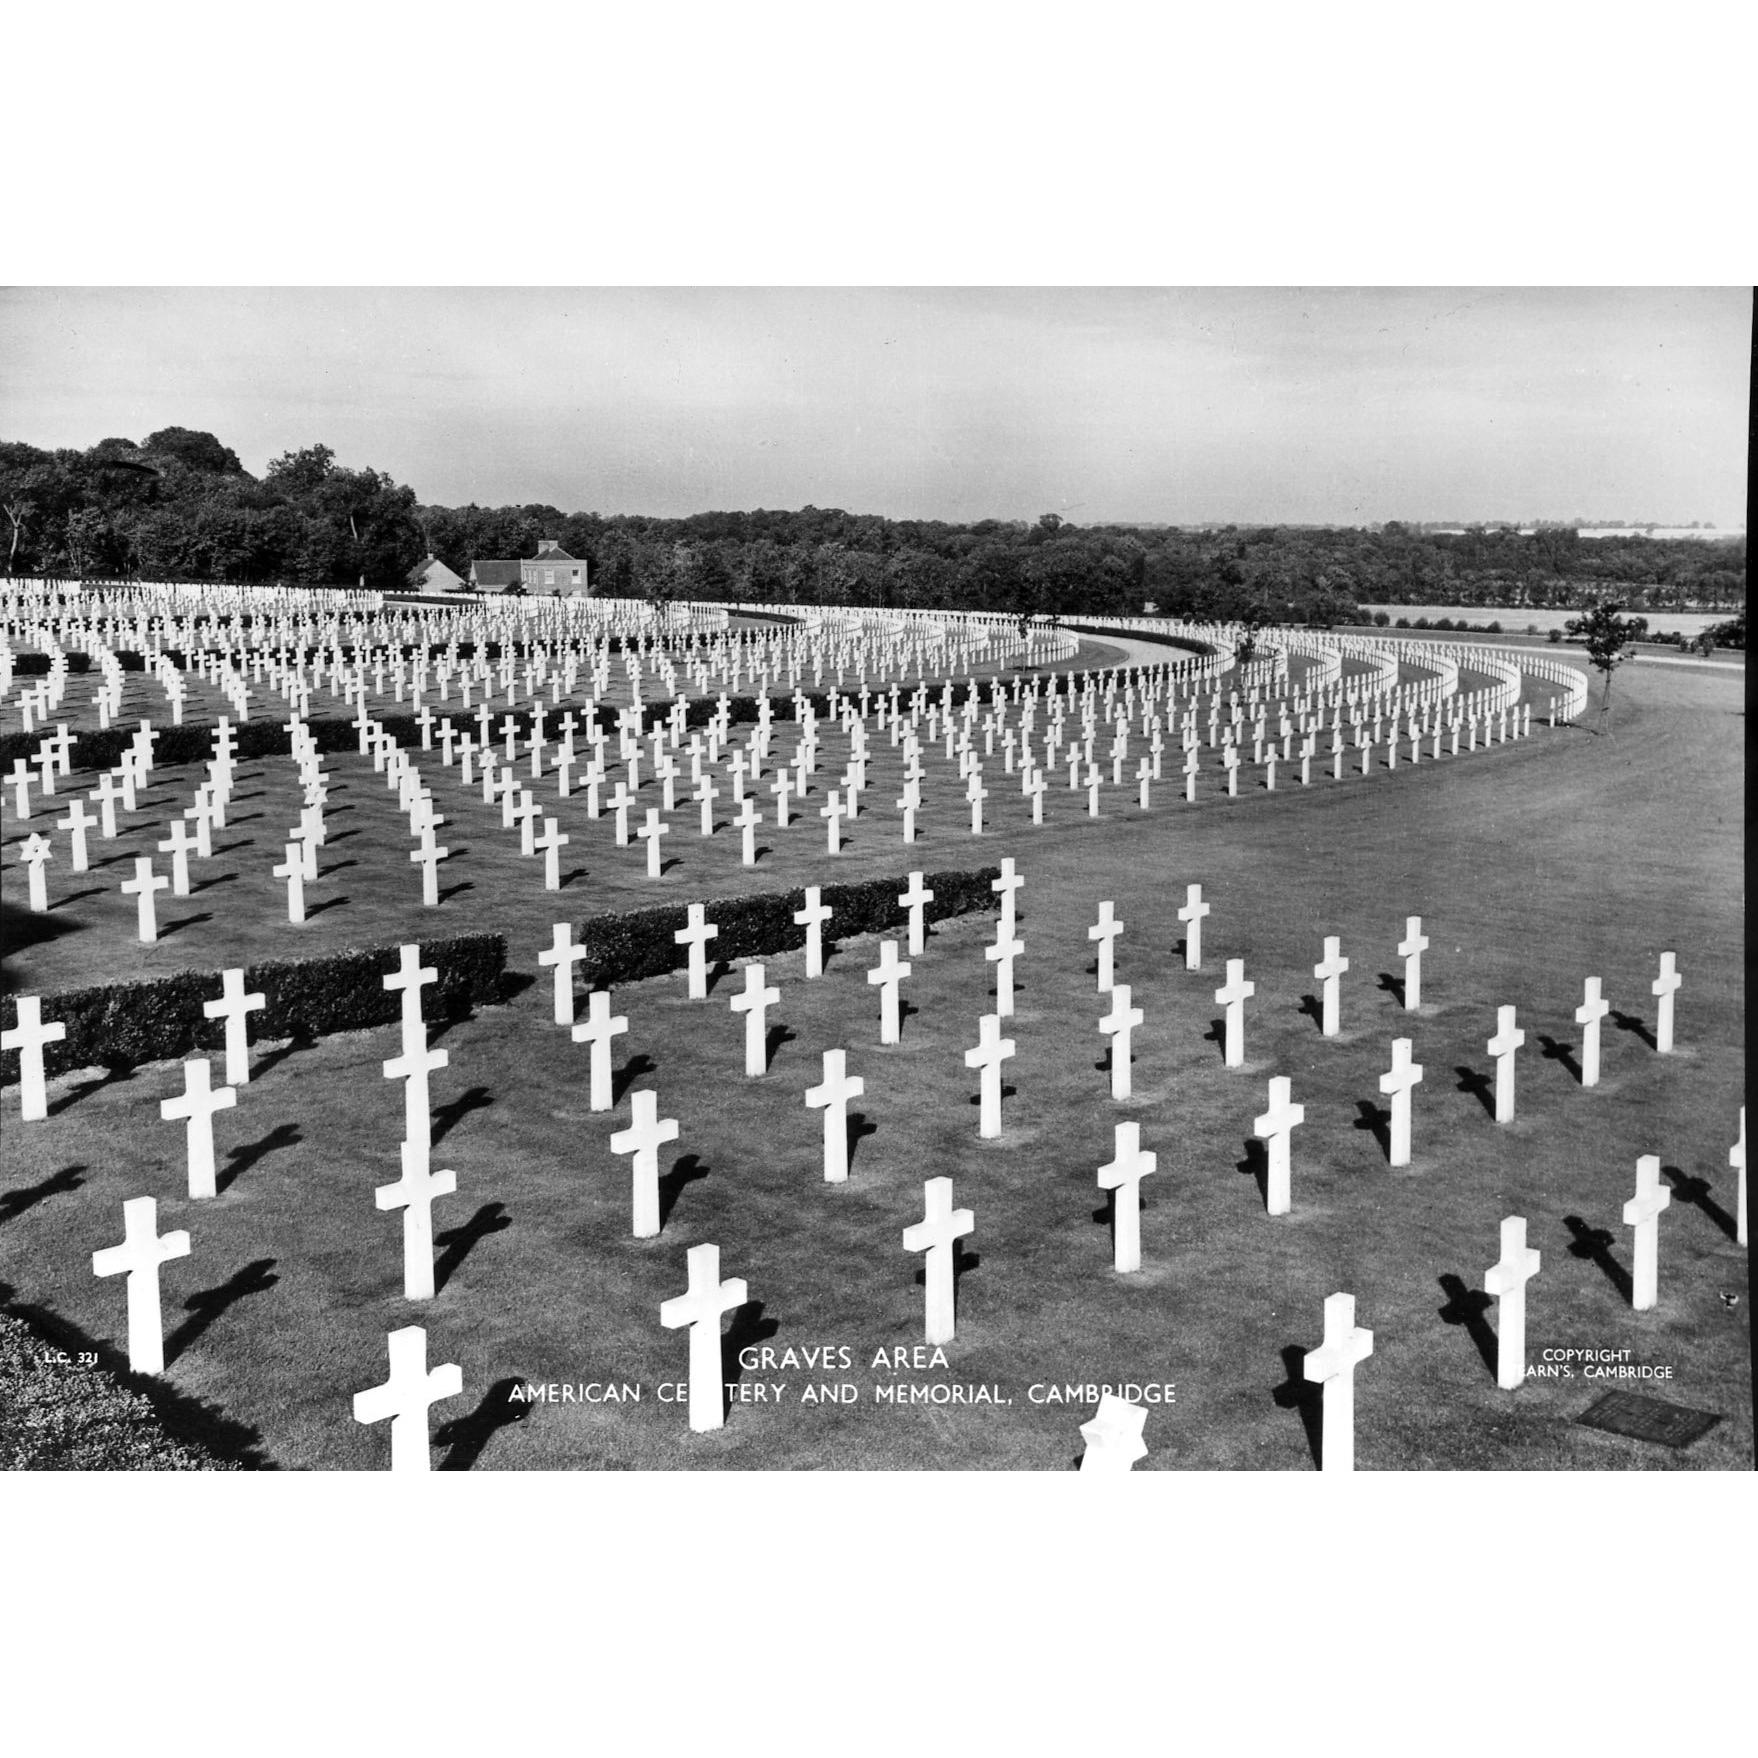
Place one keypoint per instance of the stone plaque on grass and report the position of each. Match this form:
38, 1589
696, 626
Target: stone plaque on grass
1647, 1419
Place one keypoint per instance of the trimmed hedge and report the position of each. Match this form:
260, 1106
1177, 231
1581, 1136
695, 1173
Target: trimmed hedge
639, 943
123, 1024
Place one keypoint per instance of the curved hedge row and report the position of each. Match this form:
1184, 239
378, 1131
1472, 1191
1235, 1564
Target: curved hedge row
639, 943
123, 1024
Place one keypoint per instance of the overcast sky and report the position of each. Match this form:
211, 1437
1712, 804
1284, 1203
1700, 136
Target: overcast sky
1330, 405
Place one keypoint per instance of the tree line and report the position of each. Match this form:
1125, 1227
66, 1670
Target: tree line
180, 505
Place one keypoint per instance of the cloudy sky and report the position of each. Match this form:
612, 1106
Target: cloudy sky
1329, 405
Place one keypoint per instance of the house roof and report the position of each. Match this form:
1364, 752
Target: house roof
495, 573
419, 575
554, 555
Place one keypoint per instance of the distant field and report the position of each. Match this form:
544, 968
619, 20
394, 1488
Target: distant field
1518, 622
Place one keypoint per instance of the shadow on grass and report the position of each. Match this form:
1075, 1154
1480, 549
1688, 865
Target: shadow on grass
20, 929
717, 969
329, 903
570, 876
686, 1170
1467, 1307
447, 892
631, 1071
335, 867
84, 1090
1256, 1164
15, 1202
1695, 1191
167, 929
748, 1326
241, 1159
1481, 1085
514, 984
183, 1418
1217, 1035
1393, 986
209, 884
1314, 1009
1377, 1121
963, 1263
1594, 1244
456, 1243
275, 1057
773, 1040
465, 1437
1555, 1050
860, 1126
74, 897
448, 1116
204, 1308
1298, 1393
1630, 1022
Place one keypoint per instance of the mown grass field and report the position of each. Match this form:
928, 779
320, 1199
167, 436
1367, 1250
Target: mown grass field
1534, 866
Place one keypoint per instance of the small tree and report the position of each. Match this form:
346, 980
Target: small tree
1607, 636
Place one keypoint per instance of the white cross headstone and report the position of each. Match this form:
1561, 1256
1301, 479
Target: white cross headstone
34, 851
77, 822
413, 1067
701, 1308
1105, 931
1123, 1175
414, 1194
1233, 995
935, 1234
696, 935
292, 869
1502, 1046
1004, 888
563, 952
550, 845
233, 1007
142, 1251
650, 833
812, 918
1333, 1366
1663, 987
1119, 1025
1643, 1212
991, 1051
886, 976
1329, 971
1192, 916
754, 1003
196, 1107
642, 1140
747, 822
1404, 1075
1113, 1435
1411, 949
1507, 1281
144, 886
915, 900
832, 1097
407, 1396
597, 1030
1594, 1007
409, 978
1276, 1127
28, 1038
1006, 949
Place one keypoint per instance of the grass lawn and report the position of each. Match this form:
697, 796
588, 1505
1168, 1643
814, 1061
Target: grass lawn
1534, 865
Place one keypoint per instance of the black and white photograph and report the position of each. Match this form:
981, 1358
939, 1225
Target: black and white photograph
733, 943
765, 783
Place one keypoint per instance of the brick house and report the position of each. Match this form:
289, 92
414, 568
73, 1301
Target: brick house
552, 569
